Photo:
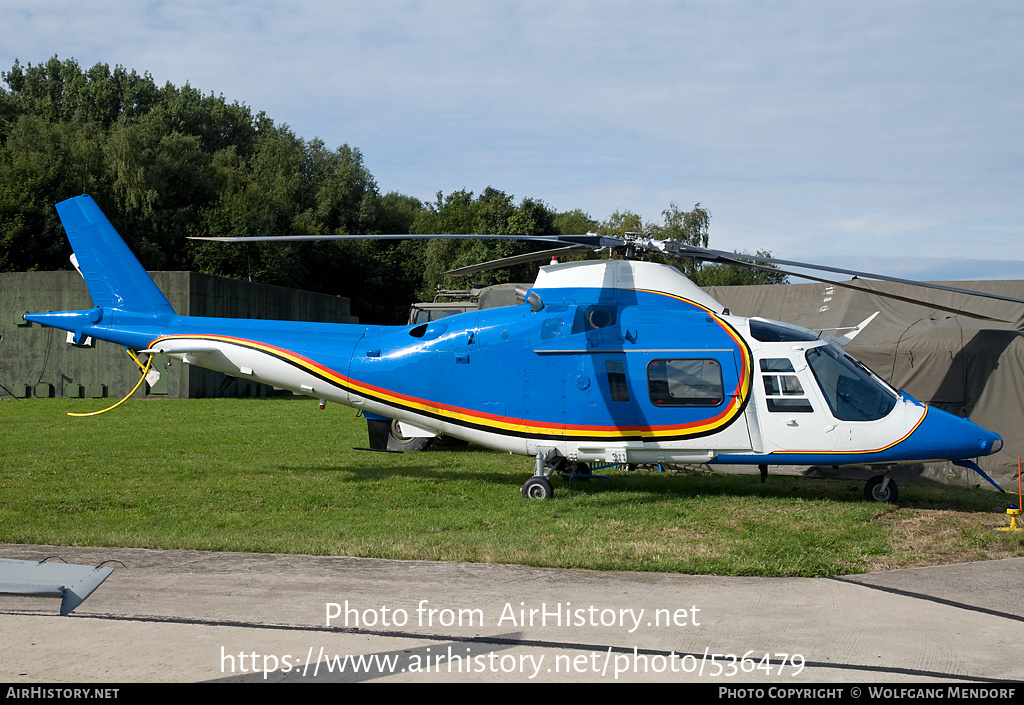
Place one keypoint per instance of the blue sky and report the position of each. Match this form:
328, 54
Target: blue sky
880, 135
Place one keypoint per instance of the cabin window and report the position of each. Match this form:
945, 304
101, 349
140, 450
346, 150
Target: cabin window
616, 372
783, 392
685, 382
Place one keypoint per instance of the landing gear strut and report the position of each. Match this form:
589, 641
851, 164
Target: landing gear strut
539, 486
881, 488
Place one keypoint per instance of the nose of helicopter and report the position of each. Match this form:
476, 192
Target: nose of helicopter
946, 436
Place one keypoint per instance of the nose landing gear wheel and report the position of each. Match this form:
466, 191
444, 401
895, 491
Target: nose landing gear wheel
537, 487
873, 491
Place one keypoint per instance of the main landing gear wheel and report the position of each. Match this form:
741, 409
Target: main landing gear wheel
396, 441
873, 491
538, 487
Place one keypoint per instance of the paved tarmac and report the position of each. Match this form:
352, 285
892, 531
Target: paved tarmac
186, 616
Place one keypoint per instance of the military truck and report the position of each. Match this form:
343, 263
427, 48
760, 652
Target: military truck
449, 302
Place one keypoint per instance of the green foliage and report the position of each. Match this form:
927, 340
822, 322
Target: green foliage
575, 222
734, 275
493, 212
398, 212
618, 224
688, 227
166, 163
692, 228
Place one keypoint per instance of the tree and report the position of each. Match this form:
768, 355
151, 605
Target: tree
688, 227
169, 162
575, 222
618, 224
398, 212
493, 212
42, 163
736, 275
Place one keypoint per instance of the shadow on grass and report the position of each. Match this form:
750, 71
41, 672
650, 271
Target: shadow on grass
912, 496
370, 473
666, 486
633, 487
653, 487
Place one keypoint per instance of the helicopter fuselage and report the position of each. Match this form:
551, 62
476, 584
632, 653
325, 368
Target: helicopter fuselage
620, 373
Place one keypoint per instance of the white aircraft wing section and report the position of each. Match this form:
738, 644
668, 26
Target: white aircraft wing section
71, 582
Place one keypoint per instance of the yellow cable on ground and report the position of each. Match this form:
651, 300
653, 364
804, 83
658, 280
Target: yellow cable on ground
145, 370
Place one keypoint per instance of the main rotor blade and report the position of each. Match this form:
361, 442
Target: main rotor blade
590, 240
876, 292
730, 257
516, 259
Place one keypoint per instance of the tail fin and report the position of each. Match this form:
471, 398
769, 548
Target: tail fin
113, 274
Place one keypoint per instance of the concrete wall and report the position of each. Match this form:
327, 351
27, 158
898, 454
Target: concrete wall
37, 361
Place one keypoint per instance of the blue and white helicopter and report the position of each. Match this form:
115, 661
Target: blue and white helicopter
607, 361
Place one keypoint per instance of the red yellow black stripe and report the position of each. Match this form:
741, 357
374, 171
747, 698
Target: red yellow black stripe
492, 423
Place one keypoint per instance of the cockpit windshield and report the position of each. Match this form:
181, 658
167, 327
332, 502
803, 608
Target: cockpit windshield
851, 390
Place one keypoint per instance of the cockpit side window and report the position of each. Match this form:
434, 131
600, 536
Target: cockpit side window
853, 393
783, 392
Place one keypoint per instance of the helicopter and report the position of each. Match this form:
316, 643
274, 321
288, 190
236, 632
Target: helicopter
617, 361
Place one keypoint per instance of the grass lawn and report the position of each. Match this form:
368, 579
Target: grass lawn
279, 475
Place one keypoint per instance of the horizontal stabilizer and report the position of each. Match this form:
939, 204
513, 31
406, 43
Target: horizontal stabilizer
71, 582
